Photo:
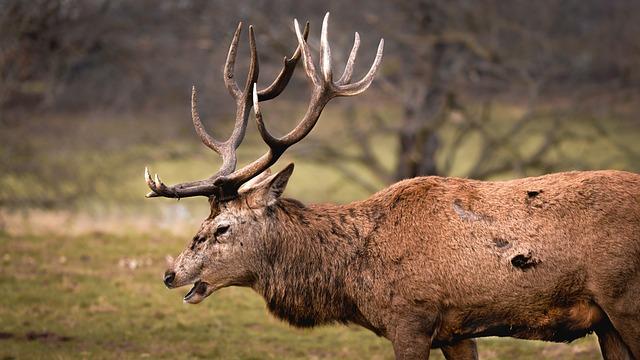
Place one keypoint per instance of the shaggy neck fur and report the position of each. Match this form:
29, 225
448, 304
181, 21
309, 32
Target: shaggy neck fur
309, 253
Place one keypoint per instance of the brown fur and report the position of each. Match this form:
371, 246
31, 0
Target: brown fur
433, 262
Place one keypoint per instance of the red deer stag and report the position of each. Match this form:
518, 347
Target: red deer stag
429, 262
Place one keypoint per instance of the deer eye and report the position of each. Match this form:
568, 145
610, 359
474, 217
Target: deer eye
199, 239
221, 230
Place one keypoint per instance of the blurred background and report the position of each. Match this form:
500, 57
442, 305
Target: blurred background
92, 91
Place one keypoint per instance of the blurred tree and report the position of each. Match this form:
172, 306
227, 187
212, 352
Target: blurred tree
468, 88
451, 62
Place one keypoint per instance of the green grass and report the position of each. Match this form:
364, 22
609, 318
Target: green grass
96, 163
77, 297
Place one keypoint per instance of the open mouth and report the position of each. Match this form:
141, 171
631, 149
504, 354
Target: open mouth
197, 293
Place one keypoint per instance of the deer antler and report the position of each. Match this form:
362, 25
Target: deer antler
227, 149
225, 183
323, 90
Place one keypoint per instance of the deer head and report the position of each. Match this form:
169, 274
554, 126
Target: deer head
236, 232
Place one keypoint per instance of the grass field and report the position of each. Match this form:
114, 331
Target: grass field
99, 296
80, 274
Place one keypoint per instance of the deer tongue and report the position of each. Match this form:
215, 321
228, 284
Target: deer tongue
199, 288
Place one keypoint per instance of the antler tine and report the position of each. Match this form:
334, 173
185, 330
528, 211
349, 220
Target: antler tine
285, 75
252, 75
195, 188
266, 136
340, 87
363, 84
325, 51
229, 65
277, 86
243, 103
307, 61
348, 69
209, 141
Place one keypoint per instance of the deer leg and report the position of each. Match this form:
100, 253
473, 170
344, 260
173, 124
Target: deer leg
623, 310
464, 350
611, 345
628, 329
412, 340
418, 347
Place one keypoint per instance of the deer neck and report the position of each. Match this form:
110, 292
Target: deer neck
308, 257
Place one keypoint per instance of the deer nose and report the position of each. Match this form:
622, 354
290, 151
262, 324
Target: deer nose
169, 276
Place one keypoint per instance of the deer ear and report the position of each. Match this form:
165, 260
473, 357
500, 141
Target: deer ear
273, 187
